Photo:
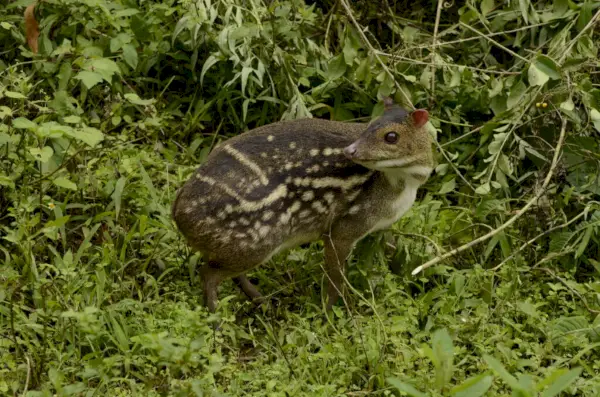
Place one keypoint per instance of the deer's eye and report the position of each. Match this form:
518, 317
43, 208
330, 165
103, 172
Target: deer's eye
391, 137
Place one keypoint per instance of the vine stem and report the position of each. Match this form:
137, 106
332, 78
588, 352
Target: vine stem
525, 208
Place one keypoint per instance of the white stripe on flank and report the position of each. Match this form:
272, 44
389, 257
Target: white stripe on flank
342, 183
239, 156
279, 193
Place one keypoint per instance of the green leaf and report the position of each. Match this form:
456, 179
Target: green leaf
443, 355
584, 242
90, 135
210, 61
483, 189
136, 100
116, 43
72, 119
23, 123
536, 76
245, 73
14, 95
476, 386
89, 79
517, 92
118, 193
595, 116
5, 111
4, 138
336, 67
567, 105
499, 369
448, 186
547, 66
43, 154
130, 55
104, 67
406, 388
487, 6
559, 241
585, 15
562, 382
64, 183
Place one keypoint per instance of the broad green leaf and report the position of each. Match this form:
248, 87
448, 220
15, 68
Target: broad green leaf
560, 7
245, 73
5, 111
536, 76
584, 242
524, 6
130, 55
595, 116
72, 119
89, 79
116, 43
43, 154
559, 241
336, 67
6, 181
562, 382
487, 6
52, 129
443, 352
406, 388
363, 70
23, 123
448, 186
90, 135
567, 105
64, 183
476, 386
483, 189
585, 14
210, 61
118, 193
104, 67
499, 369
4, 138
547, 66
136, 100
516, 94
14, 95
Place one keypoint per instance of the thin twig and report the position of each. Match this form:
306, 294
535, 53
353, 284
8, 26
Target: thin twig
368, 44
455, 168
434, 45
28, 375
448, 65
525, 208
528, 243
576, 38
511, 52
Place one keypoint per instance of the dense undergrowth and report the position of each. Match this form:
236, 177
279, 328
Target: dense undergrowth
99, 295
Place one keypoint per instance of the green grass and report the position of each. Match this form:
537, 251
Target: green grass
99, 294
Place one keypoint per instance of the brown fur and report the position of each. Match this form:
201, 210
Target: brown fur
289, 183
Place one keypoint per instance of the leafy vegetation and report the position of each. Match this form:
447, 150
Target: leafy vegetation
108, 111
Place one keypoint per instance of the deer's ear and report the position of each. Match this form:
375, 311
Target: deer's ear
420, 117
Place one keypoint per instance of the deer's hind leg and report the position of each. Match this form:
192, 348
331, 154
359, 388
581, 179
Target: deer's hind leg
249, 289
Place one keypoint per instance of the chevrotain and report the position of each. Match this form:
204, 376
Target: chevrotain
293, 182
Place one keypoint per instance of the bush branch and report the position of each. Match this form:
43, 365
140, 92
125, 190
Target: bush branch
557, 152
